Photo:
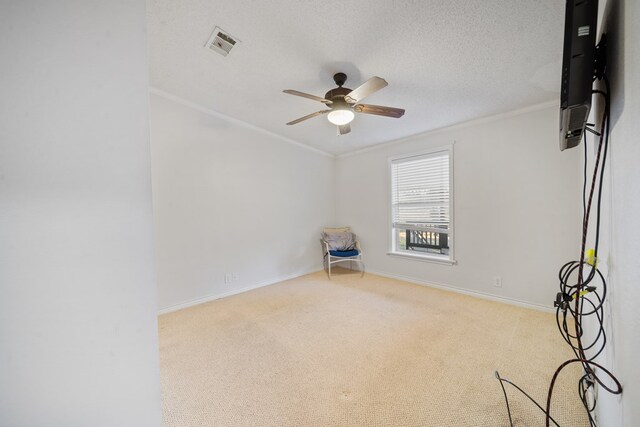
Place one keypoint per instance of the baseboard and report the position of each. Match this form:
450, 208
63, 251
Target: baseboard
477, 294
214, 297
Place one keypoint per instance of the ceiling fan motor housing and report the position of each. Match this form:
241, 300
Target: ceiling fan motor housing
337, 92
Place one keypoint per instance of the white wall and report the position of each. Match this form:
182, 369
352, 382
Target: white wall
620, 235
516, 201
78, 341
230, 198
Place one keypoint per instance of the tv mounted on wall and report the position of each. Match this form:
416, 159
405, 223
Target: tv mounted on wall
578, 64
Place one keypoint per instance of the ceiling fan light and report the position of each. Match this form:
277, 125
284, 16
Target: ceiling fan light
341, 117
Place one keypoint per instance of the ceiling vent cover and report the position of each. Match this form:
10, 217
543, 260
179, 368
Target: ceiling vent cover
221, 42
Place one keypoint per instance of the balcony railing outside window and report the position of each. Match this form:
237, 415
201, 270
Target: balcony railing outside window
423, 241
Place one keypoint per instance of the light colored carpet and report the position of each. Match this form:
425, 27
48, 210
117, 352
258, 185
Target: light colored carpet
359, 352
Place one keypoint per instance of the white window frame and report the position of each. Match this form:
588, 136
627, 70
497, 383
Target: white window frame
443, 259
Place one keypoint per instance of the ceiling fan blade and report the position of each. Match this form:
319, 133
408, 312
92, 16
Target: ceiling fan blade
344, 129
306, 95
308, 116
379, 110
372, 85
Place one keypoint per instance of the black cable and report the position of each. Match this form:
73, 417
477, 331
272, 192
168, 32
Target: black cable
607, 112
590, 377
506, 399
586, 296
523, 392
584, 179
617, 390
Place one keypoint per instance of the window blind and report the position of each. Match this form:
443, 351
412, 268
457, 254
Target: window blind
420, 192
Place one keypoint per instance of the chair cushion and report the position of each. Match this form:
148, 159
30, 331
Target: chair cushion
340, 241
343, 254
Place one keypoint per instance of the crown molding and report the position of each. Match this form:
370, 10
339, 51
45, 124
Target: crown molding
461, 125
237, 122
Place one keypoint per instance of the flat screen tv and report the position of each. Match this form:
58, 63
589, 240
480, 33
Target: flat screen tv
578, 64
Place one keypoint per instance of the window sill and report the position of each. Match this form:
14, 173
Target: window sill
425, 258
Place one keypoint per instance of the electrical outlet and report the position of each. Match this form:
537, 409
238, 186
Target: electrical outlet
227, 278
234, 277
497, 281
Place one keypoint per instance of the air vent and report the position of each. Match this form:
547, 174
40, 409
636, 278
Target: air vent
221, 42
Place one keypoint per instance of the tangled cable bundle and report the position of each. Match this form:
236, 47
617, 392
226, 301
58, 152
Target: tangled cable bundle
583, 290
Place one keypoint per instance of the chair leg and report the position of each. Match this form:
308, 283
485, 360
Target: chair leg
329, 264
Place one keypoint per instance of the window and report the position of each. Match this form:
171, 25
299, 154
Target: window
421, 205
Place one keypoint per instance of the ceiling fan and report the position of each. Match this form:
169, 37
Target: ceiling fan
343, 103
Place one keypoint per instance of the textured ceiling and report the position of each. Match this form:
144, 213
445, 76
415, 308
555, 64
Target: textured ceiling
446, 61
